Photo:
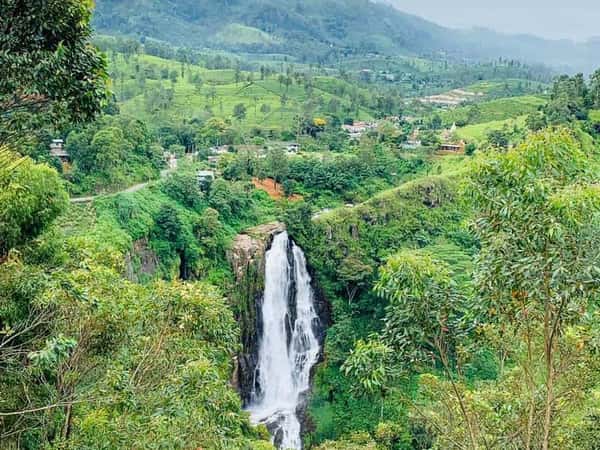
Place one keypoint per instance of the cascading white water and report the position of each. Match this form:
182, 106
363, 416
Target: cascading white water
287, 350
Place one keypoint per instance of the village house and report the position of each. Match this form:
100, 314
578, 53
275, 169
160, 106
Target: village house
205, 179
357, 129
413, 141
293, 148
57, 149
458, 147
219, 150
170, 160
450, 142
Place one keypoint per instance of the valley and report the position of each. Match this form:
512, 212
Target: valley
281, 225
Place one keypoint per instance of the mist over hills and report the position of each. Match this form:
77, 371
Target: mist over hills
324, 30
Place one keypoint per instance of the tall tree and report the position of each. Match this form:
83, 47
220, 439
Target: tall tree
538, 208
277, 164
49, 71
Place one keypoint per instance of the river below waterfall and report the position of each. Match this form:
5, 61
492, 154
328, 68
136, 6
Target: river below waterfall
288, 347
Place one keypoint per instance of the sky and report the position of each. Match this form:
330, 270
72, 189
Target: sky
555, 19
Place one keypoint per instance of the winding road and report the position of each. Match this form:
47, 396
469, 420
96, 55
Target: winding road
130, 189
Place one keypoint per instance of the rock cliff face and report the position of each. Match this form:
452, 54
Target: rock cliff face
247, 258
141, 261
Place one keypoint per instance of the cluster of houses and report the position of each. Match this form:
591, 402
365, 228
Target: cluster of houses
215, 153
357, 129
450, 143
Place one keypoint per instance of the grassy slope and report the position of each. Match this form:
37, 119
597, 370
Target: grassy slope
236, 33
493, 87
189, 102
389, 221
494, 110
478, 132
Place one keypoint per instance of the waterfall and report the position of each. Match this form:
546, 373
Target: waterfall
288, 345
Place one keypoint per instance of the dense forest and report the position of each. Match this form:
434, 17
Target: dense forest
443, 215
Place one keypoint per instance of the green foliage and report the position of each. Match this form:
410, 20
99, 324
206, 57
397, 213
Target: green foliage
115, 364
31, 197
569, 100
537, 275
239, 111
426, 312
368, 363
113, 151
369, 232
183, 187
49, 72
470, 149
494, 110
56, 350
276, 164
357, 441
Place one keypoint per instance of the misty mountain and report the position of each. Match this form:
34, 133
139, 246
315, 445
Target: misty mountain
323, 30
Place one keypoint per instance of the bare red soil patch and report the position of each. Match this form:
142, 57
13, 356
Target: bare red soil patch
275, 190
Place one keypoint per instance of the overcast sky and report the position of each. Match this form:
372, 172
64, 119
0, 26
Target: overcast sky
572, 19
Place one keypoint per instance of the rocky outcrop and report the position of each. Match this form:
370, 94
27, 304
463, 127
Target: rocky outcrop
141, 261
247, 258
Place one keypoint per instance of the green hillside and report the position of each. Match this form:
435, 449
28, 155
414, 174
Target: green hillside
323, 30
201, 92
495, 110
479, 132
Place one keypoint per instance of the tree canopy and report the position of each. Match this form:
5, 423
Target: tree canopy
50, 74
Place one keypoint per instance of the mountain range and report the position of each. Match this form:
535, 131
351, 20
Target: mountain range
323, 30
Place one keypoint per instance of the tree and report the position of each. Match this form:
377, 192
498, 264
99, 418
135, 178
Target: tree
265, 109
425, 317
568, 101
283, 100
243, 165
277, 164
31, 197
369, 364
238, 74
173, 76
239, 111
537, 222
108, 148
213, 131
594, 91
355, 274
210, 232
436, 122
211, 94
183, 187
499, 138
536, 121
430, 139
474, 114
49, 72
470, 149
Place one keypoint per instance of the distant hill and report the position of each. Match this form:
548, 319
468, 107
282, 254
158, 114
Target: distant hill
323, 30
